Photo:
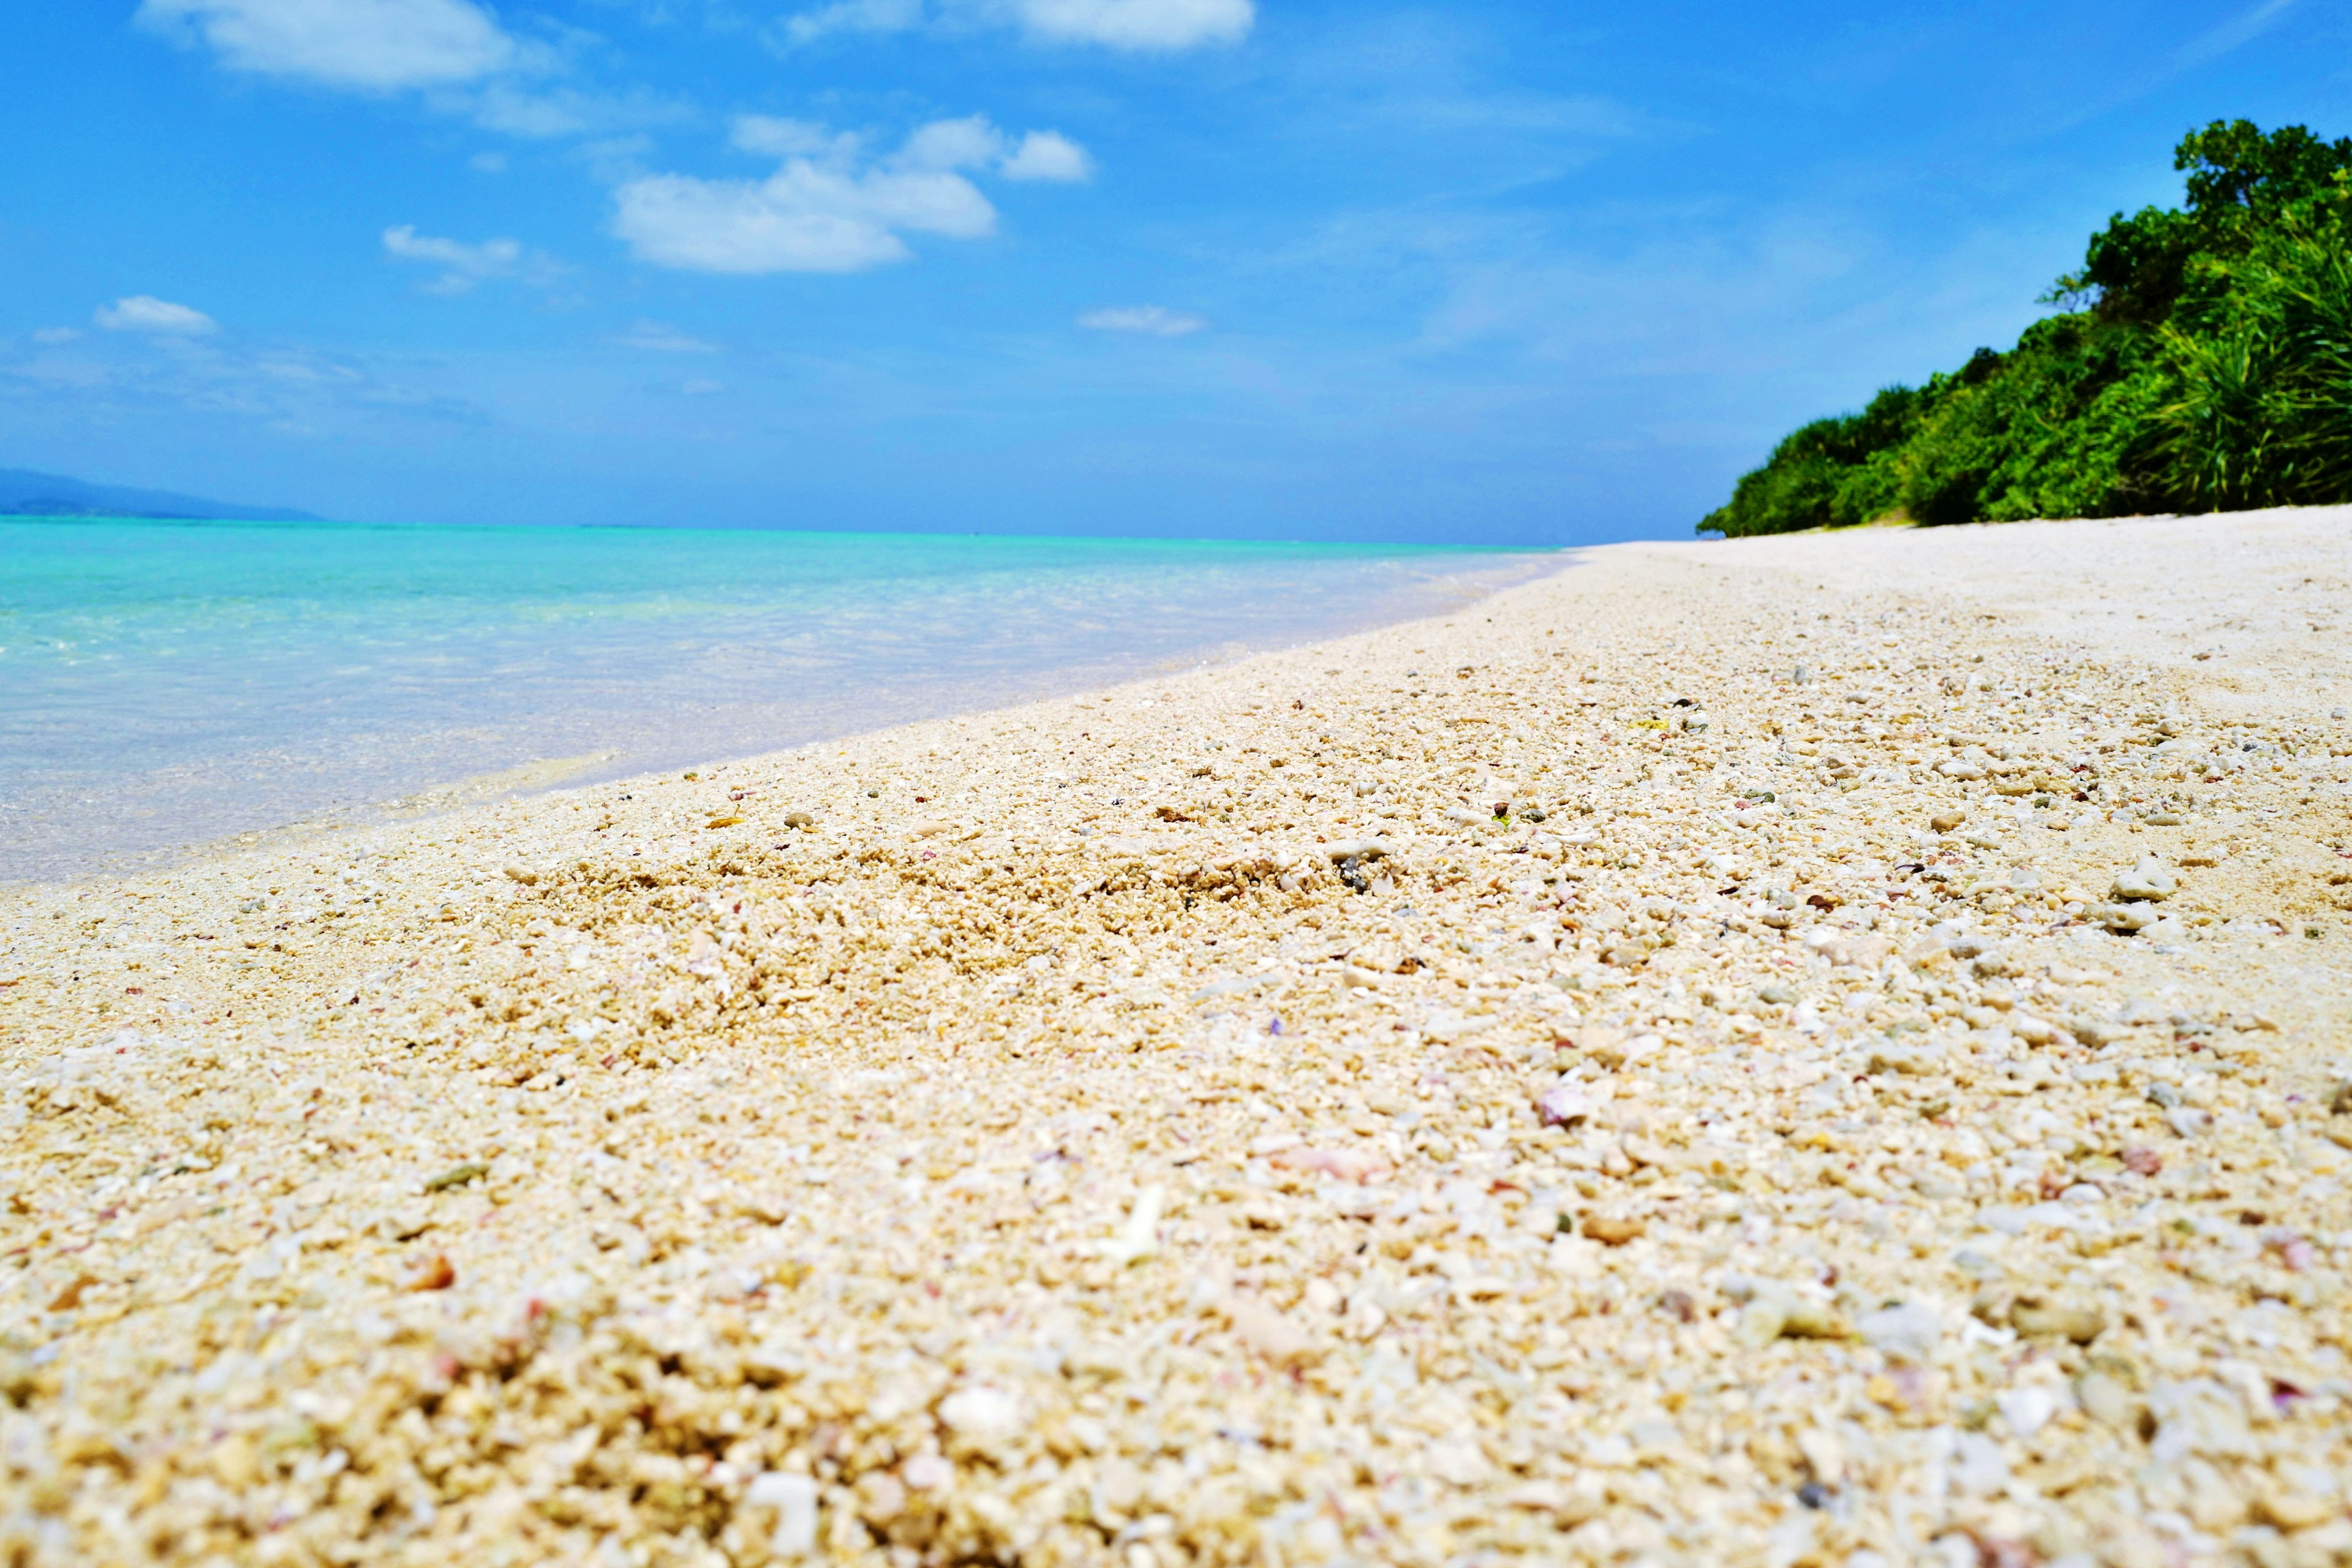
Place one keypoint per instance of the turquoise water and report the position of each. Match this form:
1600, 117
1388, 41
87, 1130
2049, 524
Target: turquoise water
164, 686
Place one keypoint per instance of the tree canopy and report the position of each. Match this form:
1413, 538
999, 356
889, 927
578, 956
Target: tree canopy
2202, 362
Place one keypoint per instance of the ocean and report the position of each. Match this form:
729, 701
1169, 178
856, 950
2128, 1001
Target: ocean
171, 687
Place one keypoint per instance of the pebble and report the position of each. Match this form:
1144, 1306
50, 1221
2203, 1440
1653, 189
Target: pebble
2080, 1325
792, 1498
1269, 1333
2150, 879
1563, 1105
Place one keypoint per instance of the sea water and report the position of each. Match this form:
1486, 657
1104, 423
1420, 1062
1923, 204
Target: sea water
168, 686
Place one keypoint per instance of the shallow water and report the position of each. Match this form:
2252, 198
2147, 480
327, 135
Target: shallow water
164, 686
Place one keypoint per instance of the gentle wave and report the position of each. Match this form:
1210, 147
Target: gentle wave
169, 685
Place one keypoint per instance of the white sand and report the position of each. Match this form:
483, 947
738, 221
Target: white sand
935, 1187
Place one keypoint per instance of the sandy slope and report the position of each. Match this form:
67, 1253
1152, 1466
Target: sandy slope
1188, 1124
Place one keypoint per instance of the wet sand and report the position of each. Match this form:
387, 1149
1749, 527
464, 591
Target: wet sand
1734, 1052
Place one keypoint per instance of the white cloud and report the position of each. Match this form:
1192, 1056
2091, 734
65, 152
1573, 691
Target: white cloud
802, 219
512, 109
54, 334
1139, 24
1048, 155
656, 338
146, 313
1155, 321
466, 265
854, 16
829, 208
453, 52
771, 136
974, 143
488, 162
1115, 23
969, 144
702, 386
371, 45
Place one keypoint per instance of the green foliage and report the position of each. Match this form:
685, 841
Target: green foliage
2260, 406
2206, 363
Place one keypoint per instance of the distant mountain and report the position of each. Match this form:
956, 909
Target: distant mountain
24, 493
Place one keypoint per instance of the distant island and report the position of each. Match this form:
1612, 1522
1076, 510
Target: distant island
2202, 363
25, 493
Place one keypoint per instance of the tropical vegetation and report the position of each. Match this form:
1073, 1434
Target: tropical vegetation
2201, 361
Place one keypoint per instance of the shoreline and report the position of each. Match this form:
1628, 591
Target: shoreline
1185, 1122
806, 671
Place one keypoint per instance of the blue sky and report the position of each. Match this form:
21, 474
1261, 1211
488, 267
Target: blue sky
1484, 273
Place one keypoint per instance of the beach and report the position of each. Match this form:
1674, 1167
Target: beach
1825, 1049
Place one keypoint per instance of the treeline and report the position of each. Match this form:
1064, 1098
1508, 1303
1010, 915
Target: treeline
2202, 363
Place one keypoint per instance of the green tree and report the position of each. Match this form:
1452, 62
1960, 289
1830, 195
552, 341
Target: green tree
2204, 361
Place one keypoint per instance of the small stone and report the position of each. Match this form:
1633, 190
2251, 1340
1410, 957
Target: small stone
799, 819
1946, 821
2188, 1121
983, 1416
1824, 1453
1813, 1321
2106, 1397
1908, 1332
1568, 1508
792, 1498
1139, 1238
1611, 1232
2080, 1325
434, 1273
517, 874
2291, 1509
1347, 1164
233, 1461
457, 1177
1269, 1333
2149, 880
1563, 1105
2027, 1410
927, 1472
70, 1299
2142, 1162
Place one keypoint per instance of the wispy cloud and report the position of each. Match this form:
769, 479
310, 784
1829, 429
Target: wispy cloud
1140, 25
1154, 321
454, 53
831, 207
2213, 44
853, 16
371, 45
146, 313
516, 106
1048, 156
1134, 25
656, 338
464, 265
279, 388
2232, 35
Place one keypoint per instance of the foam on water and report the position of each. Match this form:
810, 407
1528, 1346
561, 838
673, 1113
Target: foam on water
164, 685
